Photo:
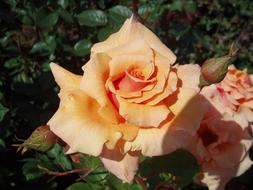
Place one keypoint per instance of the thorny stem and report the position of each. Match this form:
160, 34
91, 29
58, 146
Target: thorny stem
56, 173
139, 180
88, 172
135, 7
135, 10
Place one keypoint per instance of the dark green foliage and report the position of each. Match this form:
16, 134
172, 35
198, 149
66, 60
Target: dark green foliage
34, 33
179, 168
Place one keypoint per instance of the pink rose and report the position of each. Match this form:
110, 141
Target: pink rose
220, 144
130, 100
234, 97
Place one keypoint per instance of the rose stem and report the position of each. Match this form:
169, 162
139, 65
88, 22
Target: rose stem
141, 182
64, 173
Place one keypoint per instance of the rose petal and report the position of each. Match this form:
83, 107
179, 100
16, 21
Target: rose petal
162, 75
159, 141
134, 47
212, 179
241, 118
119, 64
189, 74
173, 135
247, 112
132, 30
251, 78
141, 114
230, 157
123, 166
234, 163
77, 123
96, 72
170, 87
246, 162
183, 97
248, 104
64, 78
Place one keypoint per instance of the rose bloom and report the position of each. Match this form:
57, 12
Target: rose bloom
233, 97
130, 100
220, 144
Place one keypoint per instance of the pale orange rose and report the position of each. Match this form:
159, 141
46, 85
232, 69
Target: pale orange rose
130, 100
234, 97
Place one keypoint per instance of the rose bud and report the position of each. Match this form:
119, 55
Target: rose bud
42, 139
214, 70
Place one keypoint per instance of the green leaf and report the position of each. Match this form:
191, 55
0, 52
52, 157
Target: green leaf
55, 151
84, 186
190, 6
177, 5
63, 3
92, 18
68, 48
46, 19
38, 47
12, 63
64, 161
27, 20
3, 111
114, 184
4, 41
145, 10
12, 3
2, 144
31, 171
48, 45
105, 32
89, 161
66, 16
82, 47
118, 14
179, 163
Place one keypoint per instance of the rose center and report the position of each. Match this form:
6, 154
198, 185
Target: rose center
136, 73
207, 135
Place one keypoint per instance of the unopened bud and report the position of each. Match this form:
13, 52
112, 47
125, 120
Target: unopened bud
42, 139
215, 69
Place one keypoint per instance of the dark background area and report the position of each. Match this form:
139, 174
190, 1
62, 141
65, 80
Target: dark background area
34, 33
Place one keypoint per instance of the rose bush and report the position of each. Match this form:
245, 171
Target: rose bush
220, 144
130, 100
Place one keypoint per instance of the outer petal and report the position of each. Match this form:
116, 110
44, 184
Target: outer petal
64, 78
189, 74
123, 166
172, 135
230, 158
132, 30
246, 162
241, 118
188, 106
214, 181
135, 47
96, 72
77, 123
251, 78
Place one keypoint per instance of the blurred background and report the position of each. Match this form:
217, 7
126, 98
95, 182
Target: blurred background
34, 33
